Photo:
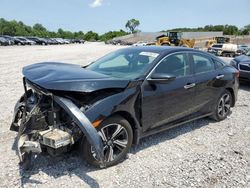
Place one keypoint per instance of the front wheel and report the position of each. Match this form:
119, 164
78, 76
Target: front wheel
223, 106
117, 136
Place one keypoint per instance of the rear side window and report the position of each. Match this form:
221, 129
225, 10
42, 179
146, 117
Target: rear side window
218, 64
176, 64
202, 64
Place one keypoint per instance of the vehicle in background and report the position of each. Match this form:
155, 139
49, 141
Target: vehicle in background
173, 38
217, 40
18, 41
37, 40
140, 43
230, 50
51, 41
9, 38
215, 49
244, 48
59, 40
225, 50
242, 63
67, 41
119, 42
31, 40
26, 41
109, 105
4, 41
79, 41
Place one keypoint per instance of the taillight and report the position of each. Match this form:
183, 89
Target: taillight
237, 73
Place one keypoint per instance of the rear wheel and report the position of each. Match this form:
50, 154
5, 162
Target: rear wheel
117, 135
223, 106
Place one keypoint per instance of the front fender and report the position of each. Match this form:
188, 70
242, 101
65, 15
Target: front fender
126, 101
84, 124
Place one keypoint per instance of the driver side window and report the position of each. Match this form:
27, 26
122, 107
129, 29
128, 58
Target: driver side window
176, 65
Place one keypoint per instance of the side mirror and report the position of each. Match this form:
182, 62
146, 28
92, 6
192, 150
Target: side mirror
161, 78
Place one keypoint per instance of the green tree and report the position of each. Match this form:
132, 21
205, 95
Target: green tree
132, 24
78, 35
245, 32
230, 30
91, 36
112, 34
39, 27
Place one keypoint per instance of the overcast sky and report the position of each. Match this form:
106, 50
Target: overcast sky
105, 15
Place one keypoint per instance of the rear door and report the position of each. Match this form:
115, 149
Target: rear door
208, 81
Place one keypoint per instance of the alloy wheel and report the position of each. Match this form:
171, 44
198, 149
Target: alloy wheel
115, 140
224, 105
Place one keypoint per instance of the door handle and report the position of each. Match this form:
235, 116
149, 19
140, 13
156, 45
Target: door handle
188, 86
220, 76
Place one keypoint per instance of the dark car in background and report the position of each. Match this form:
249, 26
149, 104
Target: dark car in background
25, 41
51, 41
242, 63
37, 40
18, 41
9, 39
4, 41
79, 41
110, 104
32, 40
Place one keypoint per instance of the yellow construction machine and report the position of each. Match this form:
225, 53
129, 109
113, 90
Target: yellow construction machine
173, 39
217, 40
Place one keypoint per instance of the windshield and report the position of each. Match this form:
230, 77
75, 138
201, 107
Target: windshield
125, 63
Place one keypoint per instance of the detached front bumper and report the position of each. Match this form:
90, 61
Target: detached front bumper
23, 120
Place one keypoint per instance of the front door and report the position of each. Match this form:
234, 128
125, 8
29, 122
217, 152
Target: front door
166, 102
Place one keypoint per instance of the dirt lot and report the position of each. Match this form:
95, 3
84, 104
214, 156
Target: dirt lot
203, 153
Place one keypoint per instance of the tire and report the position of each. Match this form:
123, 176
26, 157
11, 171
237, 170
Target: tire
223, 105
118, 152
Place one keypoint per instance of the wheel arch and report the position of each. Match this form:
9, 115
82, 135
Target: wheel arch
232, 94
132, 121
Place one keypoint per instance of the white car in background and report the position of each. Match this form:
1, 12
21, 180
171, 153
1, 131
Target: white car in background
140, 43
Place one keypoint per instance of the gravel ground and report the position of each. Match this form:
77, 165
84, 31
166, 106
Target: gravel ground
203, 153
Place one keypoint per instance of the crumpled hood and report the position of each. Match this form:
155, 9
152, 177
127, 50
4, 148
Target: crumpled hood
69, 77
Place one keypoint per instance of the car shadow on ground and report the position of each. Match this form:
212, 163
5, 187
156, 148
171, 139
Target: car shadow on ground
171, 134
71, 164
68, 164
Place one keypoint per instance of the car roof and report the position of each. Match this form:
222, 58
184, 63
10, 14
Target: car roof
162, 49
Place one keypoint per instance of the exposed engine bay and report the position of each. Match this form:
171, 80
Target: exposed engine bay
45, 124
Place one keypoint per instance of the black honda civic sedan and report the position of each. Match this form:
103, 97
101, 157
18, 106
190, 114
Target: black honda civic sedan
109, 105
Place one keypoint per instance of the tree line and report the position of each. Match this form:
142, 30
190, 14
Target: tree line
226, 29
18, 28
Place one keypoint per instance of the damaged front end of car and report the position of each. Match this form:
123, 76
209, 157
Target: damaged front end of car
46, 122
